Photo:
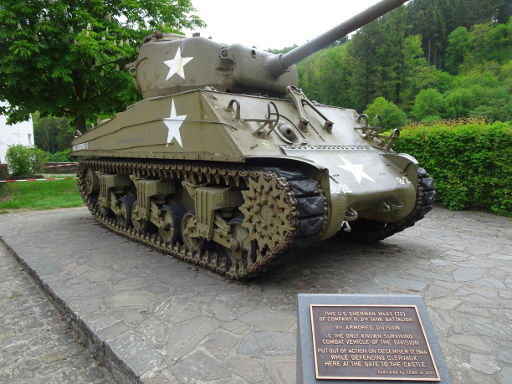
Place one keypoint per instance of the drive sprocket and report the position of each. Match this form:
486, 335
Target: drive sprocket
270, 211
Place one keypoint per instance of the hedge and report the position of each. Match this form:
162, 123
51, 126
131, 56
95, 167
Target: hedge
470, 161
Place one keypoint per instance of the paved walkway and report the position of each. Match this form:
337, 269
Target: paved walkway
36, 346
166, 321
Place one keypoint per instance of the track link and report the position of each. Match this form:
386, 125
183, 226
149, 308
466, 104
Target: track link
305, 207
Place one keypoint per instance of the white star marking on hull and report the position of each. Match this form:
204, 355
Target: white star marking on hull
173, 124
176, 65
356, 170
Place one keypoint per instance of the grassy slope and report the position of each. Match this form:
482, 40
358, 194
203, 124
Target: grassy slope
40, 195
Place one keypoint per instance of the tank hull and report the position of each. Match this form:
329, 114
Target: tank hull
278, 173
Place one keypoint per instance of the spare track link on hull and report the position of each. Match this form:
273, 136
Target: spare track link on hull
304, 203
366, 231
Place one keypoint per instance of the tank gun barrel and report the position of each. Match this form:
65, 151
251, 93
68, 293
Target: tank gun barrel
280, 63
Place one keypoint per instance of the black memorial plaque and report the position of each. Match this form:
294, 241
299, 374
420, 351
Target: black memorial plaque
371, 342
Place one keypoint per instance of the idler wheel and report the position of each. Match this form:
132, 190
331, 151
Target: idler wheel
171, 216
124, 215
91, 182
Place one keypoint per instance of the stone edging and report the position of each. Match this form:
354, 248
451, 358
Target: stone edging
102, 352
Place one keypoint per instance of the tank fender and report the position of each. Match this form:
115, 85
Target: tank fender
286, 161
406, 163
334, 195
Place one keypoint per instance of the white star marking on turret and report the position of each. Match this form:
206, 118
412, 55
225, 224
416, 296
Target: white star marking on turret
173, 124
176, 65
356, 170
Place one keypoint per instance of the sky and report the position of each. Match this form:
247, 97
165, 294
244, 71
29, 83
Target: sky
272, 23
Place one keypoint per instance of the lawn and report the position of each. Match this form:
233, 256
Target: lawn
39, 195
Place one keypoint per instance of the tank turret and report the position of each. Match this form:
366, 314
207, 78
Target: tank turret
169, 63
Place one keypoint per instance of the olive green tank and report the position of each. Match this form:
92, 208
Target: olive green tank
226, 163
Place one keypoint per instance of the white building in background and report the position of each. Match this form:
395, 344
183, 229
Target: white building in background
20, 133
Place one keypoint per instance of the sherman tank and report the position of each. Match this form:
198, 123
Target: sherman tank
226, 163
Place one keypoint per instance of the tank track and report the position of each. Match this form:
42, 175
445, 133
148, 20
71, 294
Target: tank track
302, 195
366, 231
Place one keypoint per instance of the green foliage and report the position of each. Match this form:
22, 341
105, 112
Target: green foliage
506, 71
496, 104
64, 58
52, 134
436, 19
484, 92
459, 45
4, 172
459, 102
40, 195
403, 55
61, 156
392, 116
428, 103
504, 11
25, 161
283, 50
469, 161
323, 76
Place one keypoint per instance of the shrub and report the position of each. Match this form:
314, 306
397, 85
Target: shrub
469, 161
431, 119
392, 116
59, 156
24, 161
506, 71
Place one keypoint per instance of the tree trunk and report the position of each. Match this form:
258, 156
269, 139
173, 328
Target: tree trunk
428, 61
435, 55
80, 123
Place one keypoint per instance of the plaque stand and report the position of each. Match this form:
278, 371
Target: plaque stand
366, 339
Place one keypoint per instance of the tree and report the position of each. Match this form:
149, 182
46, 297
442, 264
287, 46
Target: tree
392, 116
282, 50
65, 58
459, 102
428, 105
436, 19
363, 49
385, 58
499, 43
324, 76
52, 134
415, 73
505, 11
459, 45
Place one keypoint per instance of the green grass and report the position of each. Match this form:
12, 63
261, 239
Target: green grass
39, 195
